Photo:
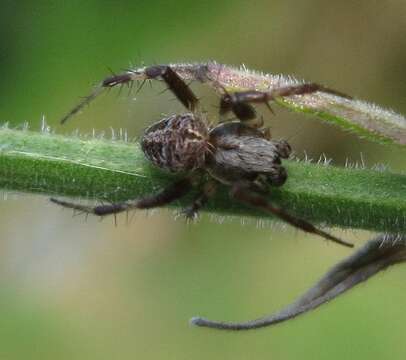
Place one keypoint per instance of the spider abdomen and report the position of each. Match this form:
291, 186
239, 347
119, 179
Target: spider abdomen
176, 143
243, 153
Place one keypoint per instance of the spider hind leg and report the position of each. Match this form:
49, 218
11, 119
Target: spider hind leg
244, 193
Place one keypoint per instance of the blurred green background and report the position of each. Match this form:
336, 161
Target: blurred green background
76, 289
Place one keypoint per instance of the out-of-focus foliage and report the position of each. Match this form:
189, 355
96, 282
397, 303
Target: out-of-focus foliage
76, 289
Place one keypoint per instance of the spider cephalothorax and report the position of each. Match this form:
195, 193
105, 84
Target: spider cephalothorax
239, 154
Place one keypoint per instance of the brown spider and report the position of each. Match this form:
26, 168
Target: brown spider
239, 154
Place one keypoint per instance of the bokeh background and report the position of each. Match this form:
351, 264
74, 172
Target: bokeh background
77, 289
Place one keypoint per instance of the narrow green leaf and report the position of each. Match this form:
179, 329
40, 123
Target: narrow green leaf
376, 255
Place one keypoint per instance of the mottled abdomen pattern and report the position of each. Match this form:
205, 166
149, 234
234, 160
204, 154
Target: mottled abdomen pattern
176, 143
243, 153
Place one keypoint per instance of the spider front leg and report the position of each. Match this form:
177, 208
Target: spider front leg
174, 82
178, 87
169, 194
244, 193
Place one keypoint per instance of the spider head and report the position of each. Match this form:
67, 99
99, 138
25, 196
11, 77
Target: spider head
177, 143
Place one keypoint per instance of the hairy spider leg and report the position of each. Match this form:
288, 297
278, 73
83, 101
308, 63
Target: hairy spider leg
85, 101
109, 82
178, 87
174, 82
243, 192
305, 88
239, 102
167, 195
241, 109
200, 200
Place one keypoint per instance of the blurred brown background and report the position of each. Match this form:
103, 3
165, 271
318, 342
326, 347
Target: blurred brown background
76, 289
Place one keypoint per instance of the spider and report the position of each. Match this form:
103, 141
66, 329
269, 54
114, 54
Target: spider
239, 154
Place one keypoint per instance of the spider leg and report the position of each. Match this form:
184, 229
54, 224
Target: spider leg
240, 102
175, 84
302, 89
109, 82
85, 101
244, 193
169, 194
127, 77
200, 200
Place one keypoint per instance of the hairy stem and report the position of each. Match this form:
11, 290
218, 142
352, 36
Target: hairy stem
116, 170
365, 119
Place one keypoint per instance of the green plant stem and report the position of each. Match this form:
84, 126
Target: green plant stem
108, 170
